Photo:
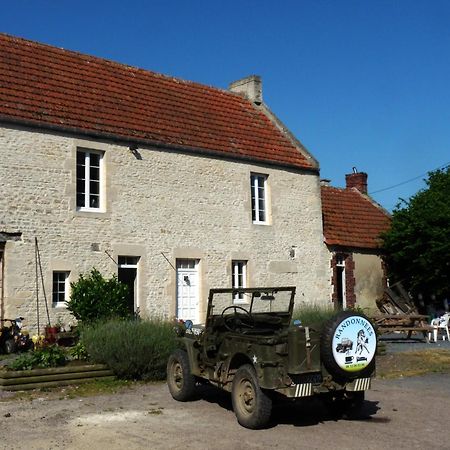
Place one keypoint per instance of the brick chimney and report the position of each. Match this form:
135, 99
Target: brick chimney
357, 180
250, 87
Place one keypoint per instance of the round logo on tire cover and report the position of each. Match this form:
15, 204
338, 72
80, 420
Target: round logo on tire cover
354, 343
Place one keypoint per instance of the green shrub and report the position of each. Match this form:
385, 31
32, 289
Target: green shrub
78, 351
132, 349
313, 315
95, 298
42, 358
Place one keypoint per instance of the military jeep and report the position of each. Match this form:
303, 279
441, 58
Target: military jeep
250, 347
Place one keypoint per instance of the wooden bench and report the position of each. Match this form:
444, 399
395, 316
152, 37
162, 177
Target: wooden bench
408, 323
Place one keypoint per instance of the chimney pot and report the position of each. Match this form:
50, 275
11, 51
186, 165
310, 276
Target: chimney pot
357, 180
250, 87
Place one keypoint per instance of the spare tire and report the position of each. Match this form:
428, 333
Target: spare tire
348, 345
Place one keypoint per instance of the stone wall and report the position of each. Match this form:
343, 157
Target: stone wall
365, 279
370, 280
167, 202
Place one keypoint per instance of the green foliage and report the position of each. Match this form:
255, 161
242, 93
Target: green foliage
96, 298
52, 356
313, 315
418, 244
132, 349
78, 351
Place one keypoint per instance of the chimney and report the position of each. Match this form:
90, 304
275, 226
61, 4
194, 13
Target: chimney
250, 87
325, 182
357, 180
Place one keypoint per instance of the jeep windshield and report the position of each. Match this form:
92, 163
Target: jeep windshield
250, 306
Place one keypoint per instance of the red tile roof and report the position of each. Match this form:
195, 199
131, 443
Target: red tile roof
351, 219
47, 86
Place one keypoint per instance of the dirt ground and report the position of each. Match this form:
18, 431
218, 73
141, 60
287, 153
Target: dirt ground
402, 413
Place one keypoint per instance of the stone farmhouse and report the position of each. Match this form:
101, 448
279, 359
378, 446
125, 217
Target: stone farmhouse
352, 224
173, 186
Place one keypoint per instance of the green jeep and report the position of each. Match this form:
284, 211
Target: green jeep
250, 347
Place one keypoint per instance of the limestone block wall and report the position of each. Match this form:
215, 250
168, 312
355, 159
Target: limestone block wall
179, 204
369, 280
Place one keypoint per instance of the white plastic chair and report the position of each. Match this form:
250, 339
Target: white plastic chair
440, 323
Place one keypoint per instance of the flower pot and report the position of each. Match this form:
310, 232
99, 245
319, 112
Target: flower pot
50, 333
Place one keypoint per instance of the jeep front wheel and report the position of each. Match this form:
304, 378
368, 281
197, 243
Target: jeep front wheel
251, 405
180, 381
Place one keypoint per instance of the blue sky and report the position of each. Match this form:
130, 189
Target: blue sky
362, 84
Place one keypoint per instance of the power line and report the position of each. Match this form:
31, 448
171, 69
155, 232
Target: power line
444, 166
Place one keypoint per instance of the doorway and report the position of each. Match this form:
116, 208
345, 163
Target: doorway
187, 290
128, 274
341, 301
2, 246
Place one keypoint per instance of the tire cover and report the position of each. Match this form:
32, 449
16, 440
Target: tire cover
349, 345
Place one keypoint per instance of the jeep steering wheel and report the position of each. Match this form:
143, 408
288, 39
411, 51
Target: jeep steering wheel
232, 322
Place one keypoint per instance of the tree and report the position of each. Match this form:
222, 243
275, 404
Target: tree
95, 298
417, 246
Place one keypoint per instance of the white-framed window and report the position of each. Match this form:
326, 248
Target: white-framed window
89, 180
61, 287
239, 279
258, 185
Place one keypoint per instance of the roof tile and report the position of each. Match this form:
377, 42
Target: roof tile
49, 86
351, 219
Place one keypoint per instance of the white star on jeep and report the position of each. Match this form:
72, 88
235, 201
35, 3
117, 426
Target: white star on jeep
255, 359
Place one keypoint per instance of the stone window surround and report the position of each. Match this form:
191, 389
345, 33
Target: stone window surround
254, 194
88, 155
239, 270
61, 266
56, 278
106, 191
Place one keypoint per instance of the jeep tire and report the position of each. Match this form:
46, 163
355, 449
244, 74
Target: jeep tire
181, 383
251, 405
328, 340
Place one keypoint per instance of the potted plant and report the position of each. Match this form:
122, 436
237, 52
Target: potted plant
51, 332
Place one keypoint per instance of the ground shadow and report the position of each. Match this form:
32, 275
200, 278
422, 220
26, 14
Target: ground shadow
312, 411
301, 413
215, 395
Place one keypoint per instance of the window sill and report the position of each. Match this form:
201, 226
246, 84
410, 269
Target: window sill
59, 305
240, 302
93, 213
261, 223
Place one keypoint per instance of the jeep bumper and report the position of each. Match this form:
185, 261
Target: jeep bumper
309, 389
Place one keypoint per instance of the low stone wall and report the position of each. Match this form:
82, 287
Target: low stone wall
21, 380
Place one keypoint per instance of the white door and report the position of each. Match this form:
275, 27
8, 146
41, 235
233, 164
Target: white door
187, 290
340, 280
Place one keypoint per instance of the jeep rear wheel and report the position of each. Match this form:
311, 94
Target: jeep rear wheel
251, 405
180, 381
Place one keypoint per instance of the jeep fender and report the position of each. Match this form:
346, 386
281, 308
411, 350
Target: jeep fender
188, 345
236, 361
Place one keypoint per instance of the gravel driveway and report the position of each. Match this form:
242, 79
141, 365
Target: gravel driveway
396, 343
406, 413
